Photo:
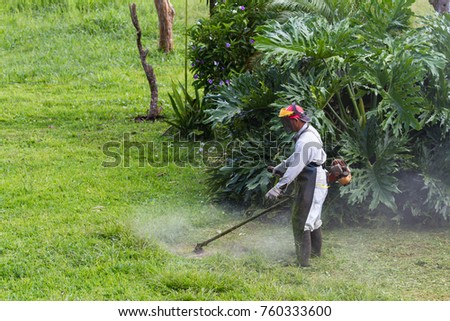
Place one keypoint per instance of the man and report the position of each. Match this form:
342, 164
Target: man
304, 168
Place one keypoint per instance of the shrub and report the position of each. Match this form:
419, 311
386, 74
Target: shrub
372, 94
244, 116
223, 44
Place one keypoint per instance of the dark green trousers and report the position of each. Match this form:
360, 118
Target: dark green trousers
305, 185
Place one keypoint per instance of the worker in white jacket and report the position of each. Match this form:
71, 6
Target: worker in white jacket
305, 168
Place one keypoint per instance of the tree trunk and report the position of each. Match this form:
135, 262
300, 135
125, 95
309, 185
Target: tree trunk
153, 111
441, 6
212, 4
166, 14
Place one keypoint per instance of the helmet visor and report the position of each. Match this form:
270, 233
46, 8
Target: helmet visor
287, 124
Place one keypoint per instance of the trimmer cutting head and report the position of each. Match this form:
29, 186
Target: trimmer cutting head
198, 249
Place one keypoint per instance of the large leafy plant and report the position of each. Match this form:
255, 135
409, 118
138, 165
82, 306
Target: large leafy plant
437, 84
428, 193
243, 114
378, 156
332, 10
371, 90
372, 77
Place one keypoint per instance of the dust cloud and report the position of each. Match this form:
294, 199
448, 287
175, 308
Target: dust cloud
178, 230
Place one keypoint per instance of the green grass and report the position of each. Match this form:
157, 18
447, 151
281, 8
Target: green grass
72, 229
422, 7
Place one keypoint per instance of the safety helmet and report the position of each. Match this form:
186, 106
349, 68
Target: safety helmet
294, 112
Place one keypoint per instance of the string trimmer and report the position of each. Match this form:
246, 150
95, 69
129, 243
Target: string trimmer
199, 247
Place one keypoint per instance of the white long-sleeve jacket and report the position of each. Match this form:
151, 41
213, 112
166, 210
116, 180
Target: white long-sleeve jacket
308, 149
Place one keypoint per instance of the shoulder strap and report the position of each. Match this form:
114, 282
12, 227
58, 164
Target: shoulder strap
309, 130
297, 136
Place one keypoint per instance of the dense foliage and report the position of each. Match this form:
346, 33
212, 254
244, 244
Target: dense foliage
377, 89
223, 45
241, 114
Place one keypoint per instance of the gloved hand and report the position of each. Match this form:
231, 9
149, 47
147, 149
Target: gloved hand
274, 193
277, 170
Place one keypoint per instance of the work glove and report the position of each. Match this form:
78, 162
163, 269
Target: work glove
274, 193
278, 170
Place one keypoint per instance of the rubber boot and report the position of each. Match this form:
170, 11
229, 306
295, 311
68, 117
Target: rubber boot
305, 249
316, 242
298, 248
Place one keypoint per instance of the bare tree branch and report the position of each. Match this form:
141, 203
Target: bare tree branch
154, 111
